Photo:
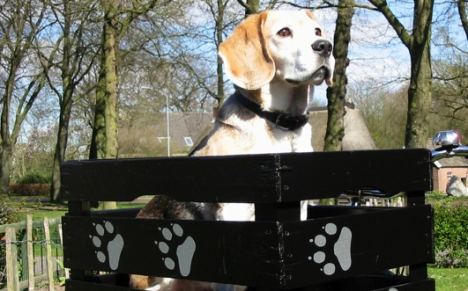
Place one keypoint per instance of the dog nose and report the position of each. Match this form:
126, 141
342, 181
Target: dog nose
323, 47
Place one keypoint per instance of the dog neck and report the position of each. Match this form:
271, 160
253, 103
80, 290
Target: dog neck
281, 104
279, 95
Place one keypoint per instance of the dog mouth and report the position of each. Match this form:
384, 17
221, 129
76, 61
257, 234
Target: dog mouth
321, 74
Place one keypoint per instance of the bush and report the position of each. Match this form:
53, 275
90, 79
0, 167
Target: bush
450, 235
7, 212
35, 178
7, 215
30, 189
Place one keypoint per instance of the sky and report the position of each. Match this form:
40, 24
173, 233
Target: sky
377, 54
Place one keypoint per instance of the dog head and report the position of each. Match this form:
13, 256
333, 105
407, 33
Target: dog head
288, 45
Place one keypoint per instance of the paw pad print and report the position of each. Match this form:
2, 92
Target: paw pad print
108, 244
173, 238
341, 248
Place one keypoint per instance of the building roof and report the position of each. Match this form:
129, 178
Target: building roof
194, 125
357, 136
185, 129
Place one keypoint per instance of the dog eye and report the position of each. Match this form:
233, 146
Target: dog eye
318, 32
284, 32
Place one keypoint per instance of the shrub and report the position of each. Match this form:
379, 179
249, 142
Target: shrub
7, 212
7, 215
450, 235
34, 178
30, 189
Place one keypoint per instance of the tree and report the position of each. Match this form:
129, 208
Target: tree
20, 23
450, 94
384, 112
77, 54
250, 6
462, 12
337, 92
117, 20
417, 42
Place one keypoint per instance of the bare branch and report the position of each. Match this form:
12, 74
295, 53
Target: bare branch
401, 31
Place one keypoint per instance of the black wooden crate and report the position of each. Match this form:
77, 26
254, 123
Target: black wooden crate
359, 283
278, 252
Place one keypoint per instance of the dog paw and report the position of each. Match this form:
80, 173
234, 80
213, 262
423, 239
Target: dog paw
341, 248
185, 246
108, 245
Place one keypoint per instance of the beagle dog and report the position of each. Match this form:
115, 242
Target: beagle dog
274, 59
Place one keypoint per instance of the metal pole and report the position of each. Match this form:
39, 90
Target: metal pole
168, 127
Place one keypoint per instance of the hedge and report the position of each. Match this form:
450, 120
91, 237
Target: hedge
450, 230
30, 189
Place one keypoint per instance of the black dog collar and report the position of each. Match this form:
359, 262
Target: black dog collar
281, 120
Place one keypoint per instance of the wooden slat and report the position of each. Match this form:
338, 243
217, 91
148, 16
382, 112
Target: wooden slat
10, 258
192, 179
321, 175
350, 284
29, 238
267, 254
423, 285
253, 178
331, 248
22, 224
235, 252
74, 285
59, 229
50, 269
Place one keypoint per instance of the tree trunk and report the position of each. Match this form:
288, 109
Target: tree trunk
6, 145
5, 164
252, 7
61, 145
65, 108
420, 88
337, 92
104, 142
462, 12
219, 63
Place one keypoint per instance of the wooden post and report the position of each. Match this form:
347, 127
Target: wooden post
67, 271
12, 271
29, 239
50, 270
78, 208
419, 271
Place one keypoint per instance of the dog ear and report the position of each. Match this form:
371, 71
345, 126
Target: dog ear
245, 54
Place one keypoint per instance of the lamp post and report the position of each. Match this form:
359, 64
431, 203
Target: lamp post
168, 134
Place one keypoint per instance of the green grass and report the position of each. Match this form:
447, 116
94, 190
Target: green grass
450, 279
39, 210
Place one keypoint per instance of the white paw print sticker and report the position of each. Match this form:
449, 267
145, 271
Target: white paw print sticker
341, 248
185, 247
108, 245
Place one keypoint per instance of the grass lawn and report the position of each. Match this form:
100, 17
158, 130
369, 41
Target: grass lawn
39, 209
450, 279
